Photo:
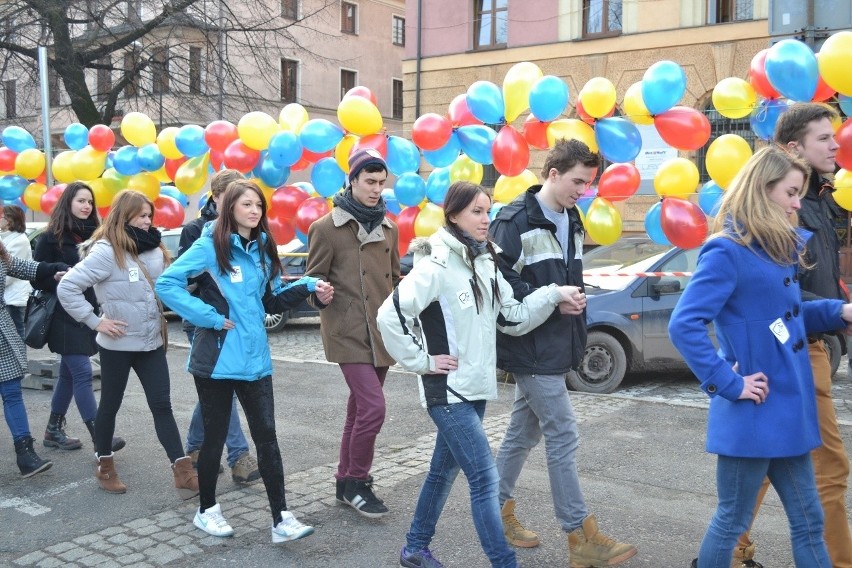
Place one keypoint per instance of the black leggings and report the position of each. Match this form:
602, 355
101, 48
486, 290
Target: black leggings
216, 397
153, 372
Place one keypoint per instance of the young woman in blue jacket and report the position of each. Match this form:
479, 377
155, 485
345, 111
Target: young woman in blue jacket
235, 264
762, 419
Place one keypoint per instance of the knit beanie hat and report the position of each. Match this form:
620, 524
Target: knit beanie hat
363, 158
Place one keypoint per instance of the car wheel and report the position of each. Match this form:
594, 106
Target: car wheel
275, 322
603, 366
832, 345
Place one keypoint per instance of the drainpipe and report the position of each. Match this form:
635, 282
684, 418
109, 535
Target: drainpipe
419, 58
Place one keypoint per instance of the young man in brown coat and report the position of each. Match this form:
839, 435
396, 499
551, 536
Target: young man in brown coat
355, 249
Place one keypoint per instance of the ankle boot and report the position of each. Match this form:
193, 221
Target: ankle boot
108, 477
117, 441
515, 533
28, 461
588, 547
186, 478
55, 436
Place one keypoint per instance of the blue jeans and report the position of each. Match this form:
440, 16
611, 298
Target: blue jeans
461, 443
738, 481
542, 407
235, 441
17, 313
13, 408
75, 380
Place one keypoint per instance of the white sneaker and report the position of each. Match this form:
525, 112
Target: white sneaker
290, 529
212, 522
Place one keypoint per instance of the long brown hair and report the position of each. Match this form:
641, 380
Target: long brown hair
226, 225
127, 204
15, 217
5, 257
62, 219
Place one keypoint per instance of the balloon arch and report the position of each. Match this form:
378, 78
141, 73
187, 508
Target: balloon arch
170, 165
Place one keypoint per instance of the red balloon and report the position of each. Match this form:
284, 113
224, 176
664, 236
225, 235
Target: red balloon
104, 211
301, 164
459, 113
363, 92
282, 230
42, 177
619, 181
172, 166
586, 117
217, 159
823, 91
240, 157
309, 211
168, 212
510, 152
843, 136
683, 128
535, 132
378, 142
683, 222
219, 134
101, 137
757, 76
405, 223
285, 202
431, 131
7, 159
51, 197
314, 157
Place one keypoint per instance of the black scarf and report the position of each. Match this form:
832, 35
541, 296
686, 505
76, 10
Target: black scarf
474, 247
81, 229
369, 217
144, 240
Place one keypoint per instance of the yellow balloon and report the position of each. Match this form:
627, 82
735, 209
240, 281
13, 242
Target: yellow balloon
266, 190
508, 188
146, 184
634, 106
359, 115
256, 128
603, 222
103, 192
517, 85
138, 129
725, 157
88, 163
734, 98
842, 189
429, 220
677, 177
569, 128
166, 143
62, 167
465, 169
29, 164
598, 97
192, 175
342, 150
162, 175
835, 61
114, 181
293, 117
32, 195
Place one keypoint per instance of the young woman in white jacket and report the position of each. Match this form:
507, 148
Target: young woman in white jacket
125, 259
12, 230
460, 299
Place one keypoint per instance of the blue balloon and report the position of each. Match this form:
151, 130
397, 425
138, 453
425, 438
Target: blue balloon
791, 68
271, 174
126, 161
654, 225
150, 158
709, 198
495, 209
548, 98
109, 158
437, 185
618, 139
175, 193
190, 140
302, 237
476, 141
584, 203
76, 136
410, 189
446, 154
845, 102
285, 149
20, 203
403, 156
391, 204
327, 177
765, 116
320, 135
17, 139
663, 86
485, 101
12, 187
202, 201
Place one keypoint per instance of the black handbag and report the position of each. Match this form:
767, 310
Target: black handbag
40, 308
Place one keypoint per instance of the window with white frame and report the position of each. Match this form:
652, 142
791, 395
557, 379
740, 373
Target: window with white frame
290, 9
398, 31
349, 17
348, 79
289, 80
397, 99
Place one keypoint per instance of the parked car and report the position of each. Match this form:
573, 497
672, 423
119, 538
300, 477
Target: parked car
628, 312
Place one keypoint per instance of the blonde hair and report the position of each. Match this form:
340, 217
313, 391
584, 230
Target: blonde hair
749, 217
127, 204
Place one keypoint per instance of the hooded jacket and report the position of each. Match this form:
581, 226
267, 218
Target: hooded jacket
818, 215
438, 295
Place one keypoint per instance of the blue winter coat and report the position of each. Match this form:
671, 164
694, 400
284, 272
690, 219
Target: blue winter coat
745, 294
243, 296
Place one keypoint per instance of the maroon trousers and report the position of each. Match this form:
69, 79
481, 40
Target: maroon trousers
365, 414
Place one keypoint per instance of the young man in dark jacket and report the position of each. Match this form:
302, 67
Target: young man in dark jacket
541, 237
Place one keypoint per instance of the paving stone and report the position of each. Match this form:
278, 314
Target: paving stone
74, 554
94, 560
52, 562
31, 558
141, 543
60, 547
122, 538
163, 554
133, 558
148, 530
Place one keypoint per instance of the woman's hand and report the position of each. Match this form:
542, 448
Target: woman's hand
324, 292
113, 328
58, 276
755, 387
444, 364
573, 300
228, 324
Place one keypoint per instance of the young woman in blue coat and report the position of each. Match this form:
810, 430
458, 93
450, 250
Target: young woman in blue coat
762, 419
235, 264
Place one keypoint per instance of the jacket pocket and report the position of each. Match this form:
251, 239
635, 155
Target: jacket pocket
343, 319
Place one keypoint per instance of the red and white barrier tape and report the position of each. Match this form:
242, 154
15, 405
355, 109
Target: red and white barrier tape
636, 274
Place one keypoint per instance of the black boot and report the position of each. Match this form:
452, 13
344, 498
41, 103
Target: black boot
117, 441
28, 461
55, 436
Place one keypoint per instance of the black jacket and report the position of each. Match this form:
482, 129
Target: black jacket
529, 263
66, 336
192, 230
820, 214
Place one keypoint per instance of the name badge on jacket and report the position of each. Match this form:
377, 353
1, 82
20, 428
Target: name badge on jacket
236, 274
133, 273
779, 330
465, 299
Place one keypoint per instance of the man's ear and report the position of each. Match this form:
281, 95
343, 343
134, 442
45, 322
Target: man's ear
794, 147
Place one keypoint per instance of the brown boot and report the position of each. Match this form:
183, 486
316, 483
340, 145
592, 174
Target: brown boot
589, 548
516, 534
186, 478
108, 477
